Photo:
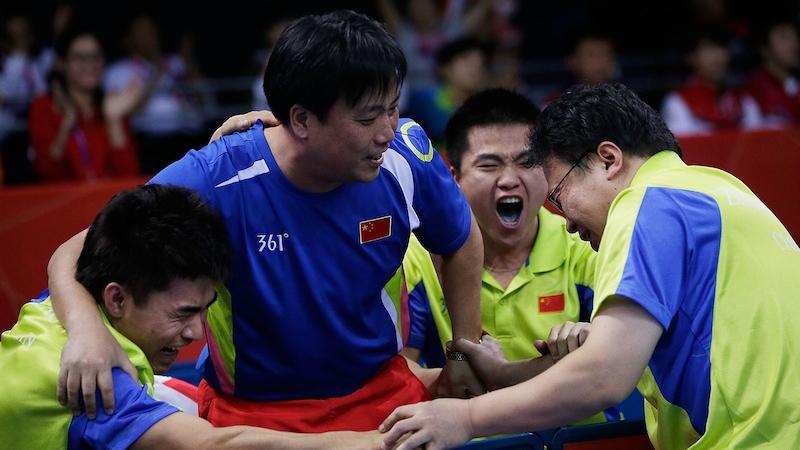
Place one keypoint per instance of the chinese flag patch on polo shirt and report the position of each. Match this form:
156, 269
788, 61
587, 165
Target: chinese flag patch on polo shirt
375, 229
551, 303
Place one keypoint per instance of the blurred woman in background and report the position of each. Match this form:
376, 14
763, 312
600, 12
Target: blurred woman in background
76, 131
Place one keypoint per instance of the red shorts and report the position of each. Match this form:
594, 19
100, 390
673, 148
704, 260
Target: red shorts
362, 410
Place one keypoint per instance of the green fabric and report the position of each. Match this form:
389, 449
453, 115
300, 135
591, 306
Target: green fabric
30, 354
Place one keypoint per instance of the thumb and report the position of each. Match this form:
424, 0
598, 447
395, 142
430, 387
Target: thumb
541, 346
127, 366
465, 346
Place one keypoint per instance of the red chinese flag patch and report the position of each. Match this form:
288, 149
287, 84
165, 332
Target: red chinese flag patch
375, 229
551, 303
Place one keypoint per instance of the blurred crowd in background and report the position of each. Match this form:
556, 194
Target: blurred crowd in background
90, 91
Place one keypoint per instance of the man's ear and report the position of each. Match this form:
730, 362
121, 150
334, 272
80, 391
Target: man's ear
116, 300
612, 158
454, 173
299, 119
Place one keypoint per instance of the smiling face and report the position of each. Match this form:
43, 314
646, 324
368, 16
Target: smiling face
504, 191
166, 321
348, 145
83, 65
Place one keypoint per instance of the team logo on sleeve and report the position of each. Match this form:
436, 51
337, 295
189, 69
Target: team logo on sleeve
551, 303
374, 229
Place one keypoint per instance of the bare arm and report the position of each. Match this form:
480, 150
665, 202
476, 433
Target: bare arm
91, 351
428, 377
461, 284
494, 370
181, 431
599, 374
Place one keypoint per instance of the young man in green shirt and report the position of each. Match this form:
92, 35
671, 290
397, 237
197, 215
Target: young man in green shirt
151, 259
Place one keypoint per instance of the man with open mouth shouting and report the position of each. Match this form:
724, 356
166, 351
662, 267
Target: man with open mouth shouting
536, 275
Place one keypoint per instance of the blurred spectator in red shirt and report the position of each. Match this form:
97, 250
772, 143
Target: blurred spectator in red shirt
706, 102
774, 85
77, 132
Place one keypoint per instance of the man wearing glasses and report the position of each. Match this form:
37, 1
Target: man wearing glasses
694, 295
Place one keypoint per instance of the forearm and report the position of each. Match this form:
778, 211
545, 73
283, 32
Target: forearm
183, 432
427, 376
516, 372
577, 387
256, 438
461, 284
116, 133
73, 305
56, 147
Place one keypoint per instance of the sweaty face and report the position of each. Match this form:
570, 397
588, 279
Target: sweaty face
504, 191
168, 320
349, 145
584, 195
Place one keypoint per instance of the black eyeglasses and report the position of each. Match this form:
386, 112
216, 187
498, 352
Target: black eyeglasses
552, 196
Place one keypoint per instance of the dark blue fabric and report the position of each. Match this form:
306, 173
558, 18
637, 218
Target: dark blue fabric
423, 334
671, 272
135, 413
586, 300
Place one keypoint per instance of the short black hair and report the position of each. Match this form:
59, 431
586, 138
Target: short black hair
495, 106
319, 59
456, 48
150, 236
584, 116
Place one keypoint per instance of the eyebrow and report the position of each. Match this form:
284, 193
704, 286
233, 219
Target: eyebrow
523, 154
377, 107
195, 309
487, 157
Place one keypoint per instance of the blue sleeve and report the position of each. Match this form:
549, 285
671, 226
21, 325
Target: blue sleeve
418, 311
135, 413
586, 300
673, 254
444, 213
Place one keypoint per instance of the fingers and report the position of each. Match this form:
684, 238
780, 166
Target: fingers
61, 387
420, 439
584, 333
542, 347
396, 425
242, 122
563, 336
552, 342
106, 386
88, 387
566, 338
397, 415
466, 346
74, 392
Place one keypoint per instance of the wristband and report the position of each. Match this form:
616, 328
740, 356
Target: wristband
454, 355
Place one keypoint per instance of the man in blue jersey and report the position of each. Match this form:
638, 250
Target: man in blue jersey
688, 259
153, 299
319, 211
